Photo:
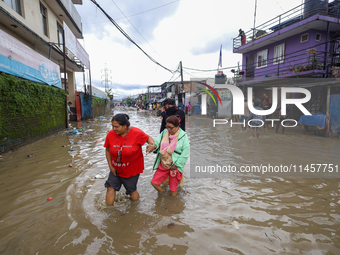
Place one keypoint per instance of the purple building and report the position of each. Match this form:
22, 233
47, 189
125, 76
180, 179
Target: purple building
303, 45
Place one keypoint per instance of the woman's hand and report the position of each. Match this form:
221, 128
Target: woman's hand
114, 171
151, 145
150, 148
173, 167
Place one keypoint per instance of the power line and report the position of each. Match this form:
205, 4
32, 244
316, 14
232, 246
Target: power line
151, 9
132, 15
128, 37
133, 26
209, 70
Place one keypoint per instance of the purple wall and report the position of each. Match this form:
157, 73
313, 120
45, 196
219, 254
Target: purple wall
295, 54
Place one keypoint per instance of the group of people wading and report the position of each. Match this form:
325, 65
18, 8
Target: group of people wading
125, 158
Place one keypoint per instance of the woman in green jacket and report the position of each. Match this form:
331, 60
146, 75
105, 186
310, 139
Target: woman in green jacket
174, 150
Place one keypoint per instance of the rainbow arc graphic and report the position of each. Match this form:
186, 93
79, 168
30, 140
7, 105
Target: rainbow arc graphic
208, 92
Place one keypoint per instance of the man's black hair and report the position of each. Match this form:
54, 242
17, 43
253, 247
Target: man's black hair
171, 101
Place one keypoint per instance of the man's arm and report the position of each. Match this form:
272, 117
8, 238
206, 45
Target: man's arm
164, 117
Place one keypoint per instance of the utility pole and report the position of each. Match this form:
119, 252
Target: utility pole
254, 19
180, 63
107, 78
65, 86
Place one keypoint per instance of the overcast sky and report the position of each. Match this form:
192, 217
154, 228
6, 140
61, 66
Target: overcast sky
170, 31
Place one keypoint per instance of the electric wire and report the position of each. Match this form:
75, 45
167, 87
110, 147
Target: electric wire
132, 15
128, 37
133, 26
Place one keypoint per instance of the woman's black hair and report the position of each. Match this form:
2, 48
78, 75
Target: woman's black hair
122, 119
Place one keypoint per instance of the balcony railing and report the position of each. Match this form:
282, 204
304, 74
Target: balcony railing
306, 62
301, 12
71, 9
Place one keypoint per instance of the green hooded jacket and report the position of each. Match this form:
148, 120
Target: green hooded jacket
181, 153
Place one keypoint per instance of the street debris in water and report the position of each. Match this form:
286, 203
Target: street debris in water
171, 225
100, 176
236, 225
268, 237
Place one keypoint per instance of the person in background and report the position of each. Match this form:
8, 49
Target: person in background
257, 122
245, 116
168, 110
69, 109
243, 36
267, 106
173, 152
189, 108
182, 106
197, 108
265, 96
124, 156
282, 117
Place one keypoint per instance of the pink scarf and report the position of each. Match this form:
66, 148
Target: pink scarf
166, 148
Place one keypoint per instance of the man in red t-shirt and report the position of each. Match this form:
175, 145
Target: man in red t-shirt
125, 157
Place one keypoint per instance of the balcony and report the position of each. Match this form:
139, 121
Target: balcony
68, 13
304, 14
306, 63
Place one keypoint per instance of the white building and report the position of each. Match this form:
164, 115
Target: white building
31, 41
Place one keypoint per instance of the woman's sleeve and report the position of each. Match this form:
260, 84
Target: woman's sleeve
107, 140
143, 137
180, 162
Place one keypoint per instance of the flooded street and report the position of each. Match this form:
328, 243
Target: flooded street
223, 214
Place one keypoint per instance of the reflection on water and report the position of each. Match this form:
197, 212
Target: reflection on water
209, 215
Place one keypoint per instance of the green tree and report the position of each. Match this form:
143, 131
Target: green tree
128, 100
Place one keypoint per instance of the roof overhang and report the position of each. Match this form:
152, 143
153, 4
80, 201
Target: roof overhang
40, 45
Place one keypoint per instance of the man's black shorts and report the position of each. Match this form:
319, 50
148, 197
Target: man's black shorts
130, 184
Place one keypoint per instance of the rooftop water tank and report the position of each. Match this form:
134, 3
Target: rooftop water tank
220, 78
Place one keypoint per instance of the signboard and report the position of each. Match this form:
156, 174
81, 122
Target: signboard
98, 93
18, 59
82, 55
70, 39
73, 45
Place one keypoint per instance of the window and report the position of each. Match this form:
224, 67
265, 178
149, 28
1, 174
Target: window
43, 14
317, 37
279, 53
14, 4
60, 36
262, 57
304, 38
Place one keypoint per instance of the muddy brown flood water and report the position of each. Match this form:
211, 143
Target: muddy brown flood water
237, 215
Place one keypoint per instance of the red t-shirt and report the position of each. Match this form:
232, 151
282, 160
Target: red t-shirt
132, 161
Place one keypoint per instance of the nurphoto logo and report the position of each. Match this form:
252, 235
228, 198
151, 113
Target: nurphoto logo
238, 105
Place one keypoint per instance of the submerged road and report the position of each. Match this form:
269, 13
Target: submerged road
227, 213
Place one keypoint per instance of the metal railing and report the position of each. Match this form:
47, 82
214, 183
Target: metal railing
309, 61
301, 12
